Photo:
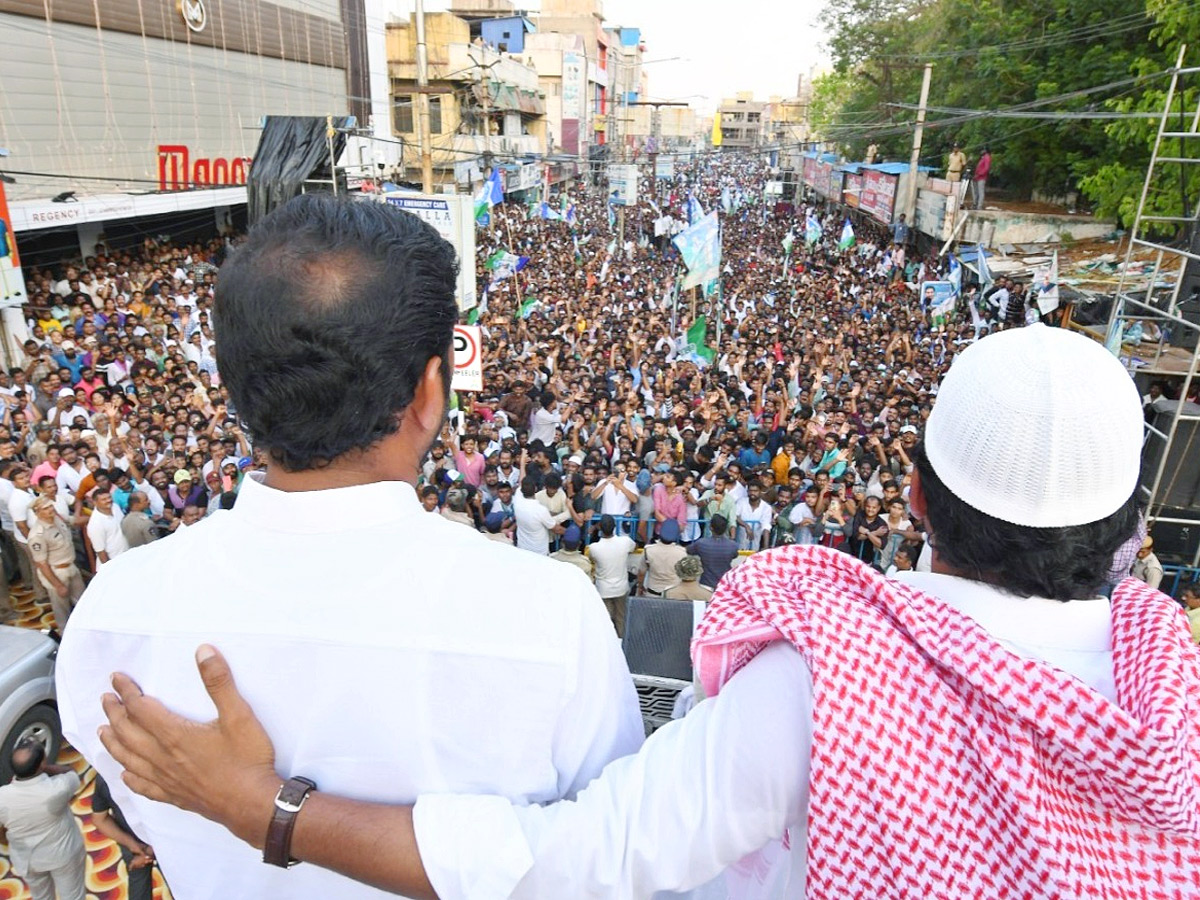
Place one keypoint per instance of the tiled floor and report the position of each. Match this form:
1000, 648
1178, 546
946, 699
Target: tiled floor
105, 869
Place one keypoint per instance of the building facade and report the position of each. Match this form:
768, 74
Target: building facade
484, 105
139, 108
584, 18
742, 121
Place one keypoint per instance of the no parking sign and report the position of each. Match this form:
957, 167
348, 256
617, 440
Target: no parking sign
468, 358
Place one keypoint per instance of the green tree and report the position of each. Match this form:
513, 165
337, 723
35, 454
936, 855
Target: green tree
1115, 183
993, 55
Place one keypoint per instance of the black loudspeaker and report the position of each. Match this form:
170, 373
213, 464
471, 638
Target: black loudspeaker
1180, 485
1189, 297
1179, 490
1176, 544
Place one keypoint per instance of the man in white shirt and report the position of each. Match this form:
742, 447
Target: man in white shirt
104, 527
506, 657
617, 494
610, 555
534, 521
755, 518
71, 470
546, 420
66, 411
44, 841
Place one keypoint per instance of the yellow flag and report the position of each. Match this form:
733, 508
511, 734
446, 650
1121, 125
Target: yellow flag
716, 135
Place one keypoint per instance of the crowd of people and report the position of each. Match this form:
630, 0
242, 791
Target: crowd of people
1030, 689
602, 434
115, 430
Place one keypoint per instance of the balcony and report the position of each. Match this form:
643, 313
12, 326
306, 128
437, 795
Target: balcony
464, 145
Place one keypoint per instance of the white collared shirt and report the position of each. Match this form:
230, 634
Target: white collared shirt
534, 522
387, 651
104, 531
727, 779
42, 834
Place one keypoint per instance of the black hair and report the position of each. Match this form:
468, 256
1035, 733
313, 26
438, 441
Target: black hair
329, 312
608, 525
1069, 563
718, 523
552, 480
27, 758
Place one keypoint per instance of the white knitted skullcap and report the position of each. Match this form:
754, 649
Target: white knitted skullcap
1039, 427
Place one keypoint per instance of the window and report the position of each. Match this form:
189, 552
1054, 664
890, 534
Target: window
435, 115
402, 113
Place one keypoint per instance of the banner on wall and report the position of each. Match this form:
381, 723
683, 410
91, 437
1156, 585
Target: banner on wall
878, 196
852, 190
12, 279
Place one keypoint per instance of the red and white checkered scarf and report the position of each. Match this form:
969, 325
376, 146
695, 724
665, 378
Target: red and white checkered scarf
945, 766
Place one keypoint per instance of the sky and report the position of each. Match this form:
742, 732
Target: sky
723, 46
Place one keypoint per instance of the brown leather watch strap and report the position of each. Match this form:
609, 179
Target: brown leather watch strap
277, 850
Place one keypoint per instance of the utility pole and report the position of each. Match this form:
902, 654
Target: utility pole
656, 133
423, 102
910, 200
612, 135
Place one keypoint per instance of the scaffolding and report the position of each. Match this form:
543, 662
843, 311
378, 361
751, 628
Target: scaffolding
1155, 303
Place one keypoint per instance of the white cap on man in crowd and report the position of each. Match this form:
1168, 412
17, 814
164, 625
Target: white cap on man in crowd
1061, 441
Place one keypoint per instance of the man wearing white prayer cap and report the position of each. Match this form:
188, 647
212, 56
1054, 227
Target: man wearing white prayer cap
993, 728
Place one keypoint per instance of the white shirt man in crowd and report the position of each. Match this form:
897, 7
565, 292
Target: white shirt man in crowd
610, 556
44, 841
104, 527
534, 521
617, 494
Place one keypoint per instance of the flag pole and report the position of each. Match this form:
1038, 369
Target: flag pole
674, 299
516, 275
720, 263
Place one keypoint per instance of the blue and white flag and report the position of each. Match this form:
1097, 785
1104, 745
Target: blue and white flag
700, 247
955, 275
985, 274
547, 212
726, 201
695, 212
503, 264
490, 194
570, 217
812, 230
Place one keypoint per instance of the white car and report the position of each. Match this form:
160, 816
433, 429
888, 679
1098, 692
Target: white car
28, 709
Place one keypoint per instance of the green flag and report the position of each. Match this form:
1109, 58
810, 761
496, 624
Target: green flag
495, 259
473, 316
527, 307
695, 338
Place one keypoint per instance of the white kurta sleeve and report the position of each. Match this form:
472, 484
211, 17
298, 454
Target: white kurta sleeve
704, 792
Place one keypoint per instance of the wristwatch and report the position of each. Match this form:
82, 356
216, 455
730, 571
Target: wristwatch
291, 796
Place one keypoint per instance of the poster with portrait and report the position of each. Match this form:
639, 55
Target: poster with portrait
938, 300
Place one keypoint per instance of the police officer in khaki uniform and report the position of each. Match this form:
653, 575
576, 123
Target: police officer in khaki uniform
958, 162
53, 553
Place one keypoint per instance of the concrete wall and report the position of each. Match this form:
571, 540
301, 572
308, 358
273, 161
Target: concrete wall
124, 96
995, 227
